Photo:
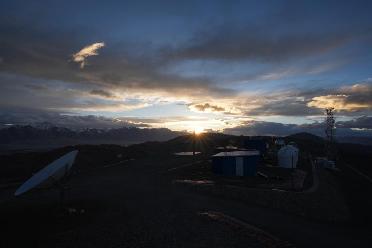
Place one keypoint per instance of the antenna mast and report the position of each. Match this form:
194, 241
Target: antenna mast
330, 132
193, 143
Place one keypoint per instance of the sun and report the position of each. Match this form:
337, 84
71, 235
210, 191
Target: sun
198, 130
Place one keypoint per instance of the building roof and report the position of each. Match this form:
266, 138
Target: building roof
186, 153
288, 148
237, 154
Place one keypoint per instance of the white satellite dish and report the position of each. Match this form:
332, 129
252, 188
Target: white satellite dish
52, 174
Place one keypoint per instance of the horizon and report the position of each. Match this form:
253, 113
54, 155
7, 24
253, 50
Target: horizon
221, 66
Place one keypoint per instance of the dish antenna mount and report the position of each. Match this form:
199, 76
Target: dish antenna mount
56, 174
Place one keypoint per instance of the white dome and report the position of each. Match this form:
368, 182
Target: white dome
288, 155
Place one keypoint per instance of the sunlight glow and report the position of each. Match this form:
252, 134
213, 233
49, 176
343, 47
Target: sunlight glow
198, 129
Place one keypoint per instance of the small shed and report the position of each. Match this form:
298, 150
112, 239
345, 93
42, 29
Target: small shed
288, 156
236, 163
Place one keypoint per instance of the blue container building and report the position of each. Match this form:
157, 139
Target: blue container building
237, 163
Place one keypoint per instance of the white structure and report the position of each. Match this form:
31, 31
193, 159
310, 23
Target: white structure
49, 175
288, 156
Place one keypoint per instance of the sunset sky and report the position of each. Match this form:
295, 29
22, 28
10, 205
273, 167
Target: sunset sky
186, 65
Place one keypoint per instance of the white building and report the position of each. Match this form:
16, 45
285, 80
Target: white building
288, 156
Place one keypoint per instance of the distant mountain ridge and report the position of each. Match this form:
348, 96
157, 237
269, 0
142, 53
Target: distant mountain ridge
47, 136
304, 136
28, 137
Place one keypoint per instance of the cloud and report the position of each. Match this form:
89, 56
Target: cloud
102, 93
263, 128
254, 44
36, 87
83, 54
34, 117
120, 67
61, 96
285, 104
355, 127
93, 106
206, 107
363, 122
353, 98
302, 68
125, 68
128, 68
339, 102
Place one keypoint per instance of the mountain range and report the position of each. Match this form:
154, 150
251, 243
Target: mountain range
47, 136
44, 137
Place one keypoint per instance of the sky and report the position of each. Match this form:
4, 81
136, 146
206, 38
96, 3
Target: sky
186, 65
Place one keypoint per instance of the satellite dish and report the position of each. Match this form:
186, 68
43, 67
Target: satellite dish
52, 174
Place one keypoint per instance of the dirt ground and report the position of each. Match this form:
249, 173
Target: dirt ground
137, 204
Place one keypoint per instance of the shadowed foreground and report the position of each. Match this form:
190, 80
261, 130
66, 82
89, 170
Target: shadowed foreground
136, 204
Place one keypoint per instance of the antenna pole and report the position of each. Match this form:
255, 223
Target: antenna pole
329, 131
193, 143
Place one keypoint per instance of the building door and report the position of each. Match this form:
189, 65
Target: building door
239, 166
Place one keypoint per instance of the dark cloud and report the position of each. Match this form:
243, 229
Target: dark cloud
159, 120
102, 93
206, 107
291, 29
316, 128
364, 122
359, 94
36, 87
264, 128
256, 45
48, 55
288, 106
